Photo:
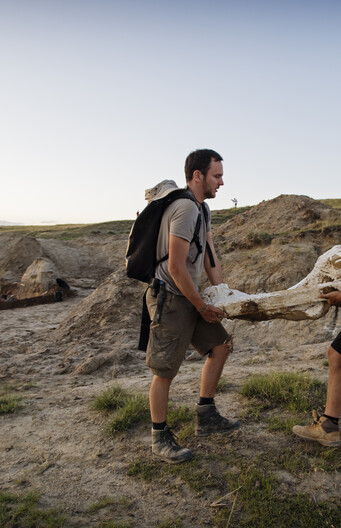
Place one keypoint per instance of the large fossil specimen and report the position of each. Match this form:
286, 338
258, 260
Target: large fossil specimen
299, 302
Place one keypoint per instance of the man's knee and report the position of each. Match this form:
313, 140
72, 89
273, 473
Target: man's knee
161, 380
222, 351
334, 358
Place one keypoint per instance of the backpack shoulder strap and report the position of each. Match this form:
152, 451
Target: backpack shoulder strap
196, 239
181, 193
208, 247
205, 211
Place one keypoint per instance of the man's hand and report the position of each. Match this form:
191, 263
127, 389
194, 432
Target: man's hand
211, 314
333, 298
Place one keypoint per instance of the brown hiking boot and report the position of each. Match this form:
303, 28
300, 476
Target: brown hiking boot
165, 446
209, 421
322, 430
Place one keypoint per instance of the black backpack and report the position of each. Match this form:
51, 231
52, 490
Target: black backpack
141, 259
141, 251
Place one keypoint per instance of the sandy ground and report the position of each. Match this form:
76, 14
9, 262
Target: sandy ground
56, 443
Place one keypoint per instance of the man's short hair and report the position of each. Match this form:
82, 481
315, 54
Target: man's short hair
200, 160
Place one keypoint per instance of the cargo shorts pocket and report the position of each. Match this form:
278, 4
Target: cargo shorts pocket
162, 354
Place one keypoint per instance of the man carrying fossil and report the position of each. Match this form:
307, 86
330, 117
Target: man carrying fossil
186, 318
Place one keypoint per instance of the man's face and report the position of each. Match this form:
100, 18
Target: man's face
213, 179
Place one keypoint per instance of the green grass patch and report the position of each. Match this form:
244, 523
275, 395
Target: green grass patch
282, 423
115, 524
72, 231
179, 415
320, 227
185, 432
301, 458
253, 411
258, 238
332, 202
182, 419
112, 398
195, 474
145, 470
22, 511
294, 392
9, 397
114, 507
291, 459
261, 499
255, 360
135, 411
222, 215
328, 459
110, 502
128, 409
9, 403
16, 386
260, 503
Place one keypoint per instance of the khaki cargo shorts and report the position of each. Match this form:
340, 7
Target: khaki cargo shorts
180, 325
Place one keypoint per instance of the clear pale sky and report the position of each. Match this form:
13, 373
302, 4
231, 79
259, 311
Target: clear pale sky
101, 99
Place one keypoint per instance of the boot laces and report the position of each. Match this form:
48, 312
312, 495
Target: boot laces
316, 417
170, 437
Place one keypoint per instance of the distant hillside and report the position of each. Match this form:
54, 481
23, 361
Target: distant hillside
70, 231
5, 223
118, 227
332, 202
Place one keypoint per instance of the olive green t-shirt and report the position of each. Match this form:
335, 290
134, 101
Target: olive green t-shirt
179, 220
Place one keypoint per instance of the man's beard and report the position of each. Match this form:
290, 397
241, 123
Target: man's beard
208, 193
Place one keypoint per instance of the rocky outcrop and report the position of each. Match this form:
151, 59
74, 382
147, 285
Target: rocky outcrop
113, 309
275, 244
39, 278
20, 252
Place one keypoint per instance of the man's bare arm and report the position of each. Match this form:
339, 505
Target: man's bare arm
178, 253
215, 275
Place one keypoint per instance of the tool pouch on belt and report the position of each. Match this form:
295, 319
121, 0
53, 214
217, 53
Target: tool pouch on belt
160, 300
157, 288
